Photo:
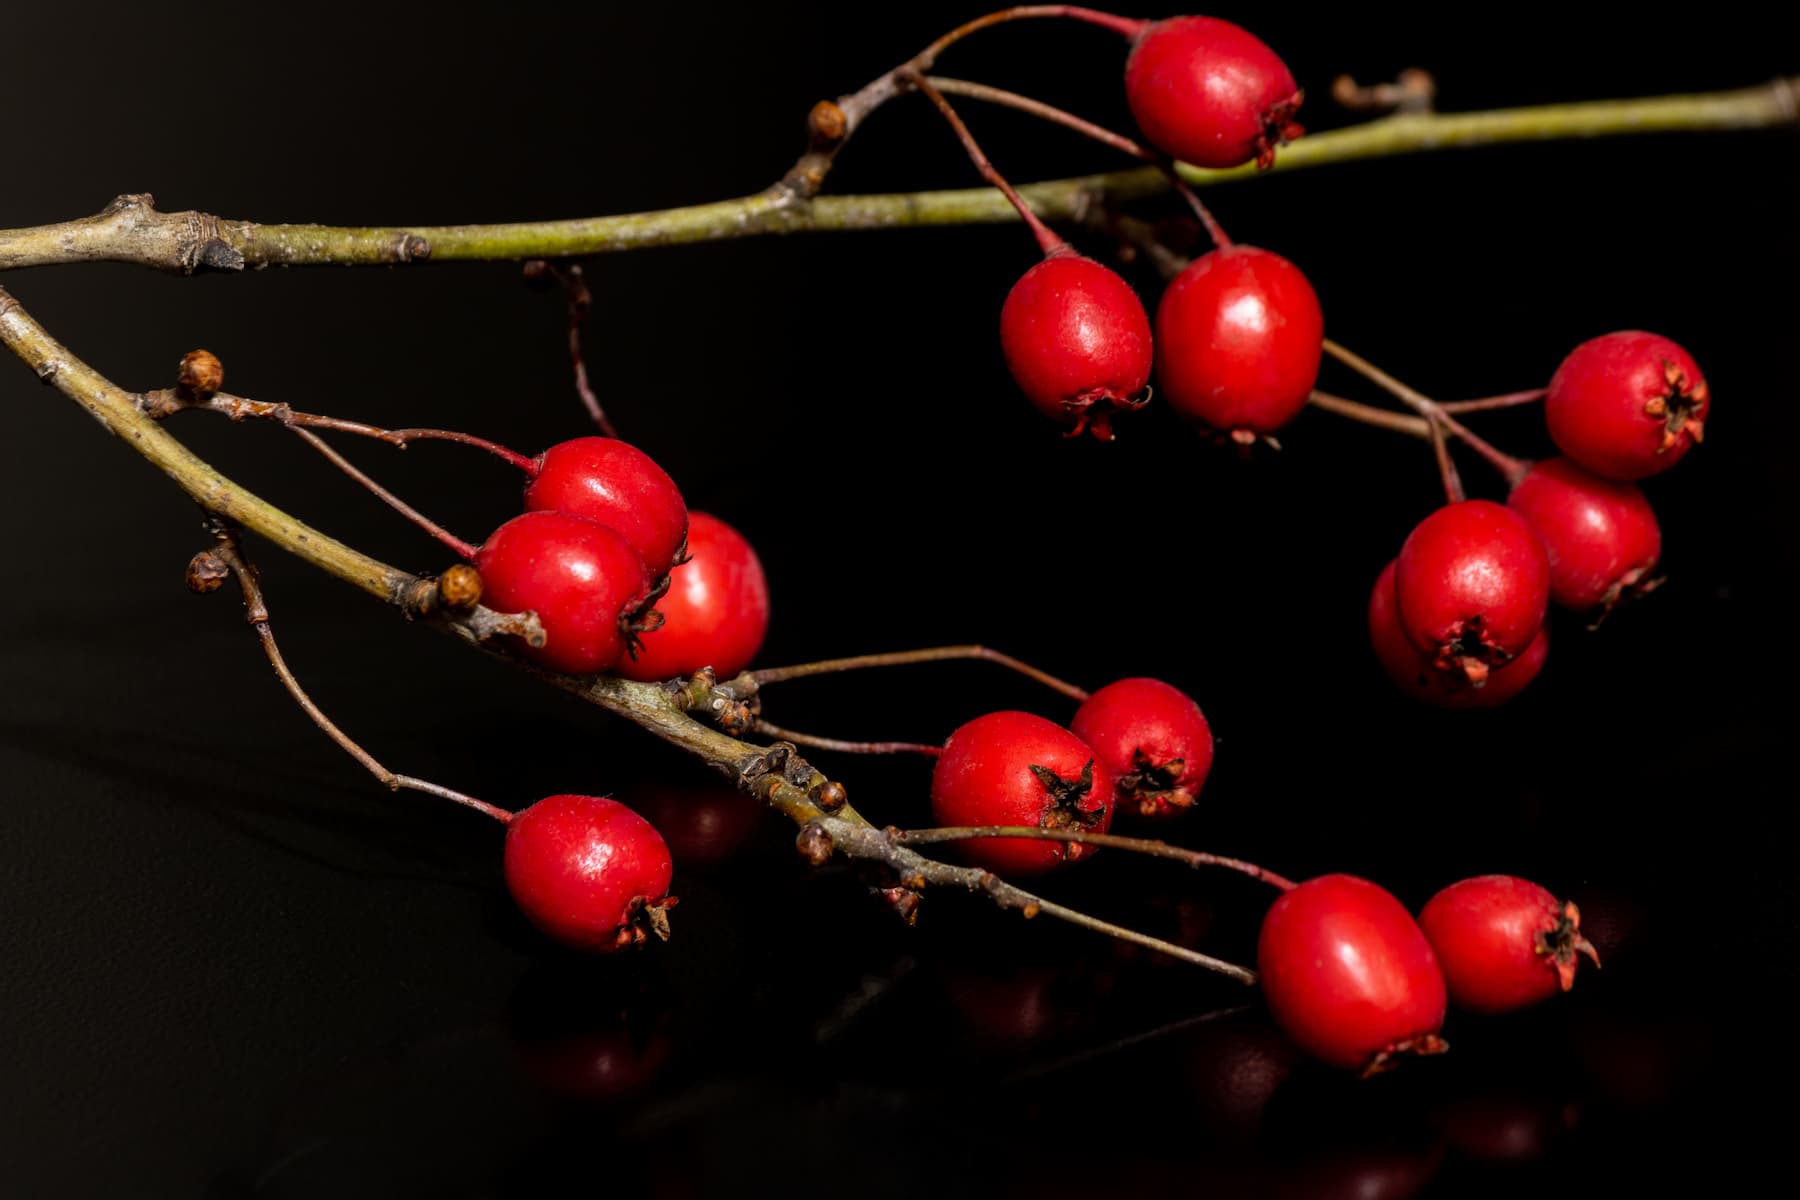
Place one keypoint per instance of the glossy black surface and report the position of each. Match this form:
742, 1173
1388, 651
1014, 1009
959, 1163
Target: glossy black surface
233, 966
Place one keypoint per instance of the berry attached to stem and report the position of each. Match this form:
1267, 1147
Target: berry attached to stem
715, 612
1601, 535
1415, 673
1077, 341
1211, 93
1155, 741
1471, 587
589, 872
1349, 975
1015, 768
1627, 405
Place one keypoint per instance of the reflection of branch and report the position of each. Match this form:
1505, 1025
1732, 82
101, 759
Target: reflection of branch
776, 775
131, 230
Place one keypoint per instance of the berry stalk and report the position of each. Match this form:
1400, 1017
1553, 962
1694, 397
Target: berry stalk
902, 658
1151, 847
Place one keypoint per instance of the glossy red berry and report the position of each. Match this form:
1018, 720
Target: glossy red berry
1415, 673
1211, 93
1627, 405
589, 872
1154, 740
1077, 342
1015, 768
1471, 585
1238, 340
1504, 943
715, 613
1349, 976
586, 584
1601, 534
613, 483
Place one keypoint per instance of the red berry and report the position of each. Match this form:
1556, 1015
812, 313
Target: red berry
1471, 586
586, 584
1015, 768
1238, 340
1349, 976
1211, 93
588, 871
1504, 943
1153, 739
1414, 673
1627, 405
716, 610
1601, 535
615, 484
1077, 342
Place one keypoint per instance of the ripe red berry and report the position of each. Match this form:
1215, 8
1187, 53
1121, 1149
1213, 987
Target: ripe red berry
589, 872
1471, 585
1627, 405
1077, 342
1238, 340
1504, 943
1015, 768
1349, 976
716, 610
586, 584
1211, 93
1153, 739
613, 483
1601, 535
1414, 673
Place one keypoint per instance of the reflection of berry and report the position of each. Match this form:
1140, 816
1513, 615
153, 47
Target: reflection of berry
1154, 740
584, 581
1015, 768
715, 612
1601, 535
1077, 342
1239, 335
1627, 405
617, 485
1504, 943
588, 871
1471, 586
1211, 93
1349, 976
1414, 672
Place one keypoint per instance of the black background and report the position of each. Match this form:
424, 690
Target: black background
234, 966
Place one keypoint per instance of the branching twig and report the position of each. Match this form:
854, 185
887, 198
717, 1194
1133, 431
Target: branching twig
130, 230
1155, 849
767, 729
901, 658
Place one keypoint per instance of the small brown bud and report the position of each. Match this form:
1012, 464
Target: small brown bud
815, 845
830, 795
201, 373
459, 587
537, 272
735, 718
827, 124
206, 572
905, 902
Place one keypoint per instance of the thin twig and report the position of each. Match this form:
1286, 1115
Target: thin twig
1045, 112
1155, 849
902, 658
1368, 414
1047, 239
843, 747
580, 302
455, 544
256, 611
1487, 403
1454, 492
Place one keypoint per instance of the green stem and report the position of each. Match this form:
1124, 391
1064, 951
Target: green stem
130, 230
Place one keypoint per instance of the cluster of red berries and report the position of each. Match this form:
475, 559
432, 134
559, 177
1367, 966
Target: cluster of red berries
1139, 745
1458, 619
1239, 334
604, 539
605, 536
1356, 982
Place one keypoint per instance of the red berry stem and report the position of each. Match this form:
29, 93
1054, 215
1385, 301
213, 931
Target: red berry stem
1047, 239
165, 402
580, 301
902, 658
843, 747
227, 550
1214, 230
1149, 846
1368, 414
1440, 447
1486, 403
1513, 469
1128, 27
1046, 112
457, 546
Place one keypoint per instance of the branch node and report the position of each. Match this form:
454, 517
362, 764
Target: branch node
200, 374
127, 201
